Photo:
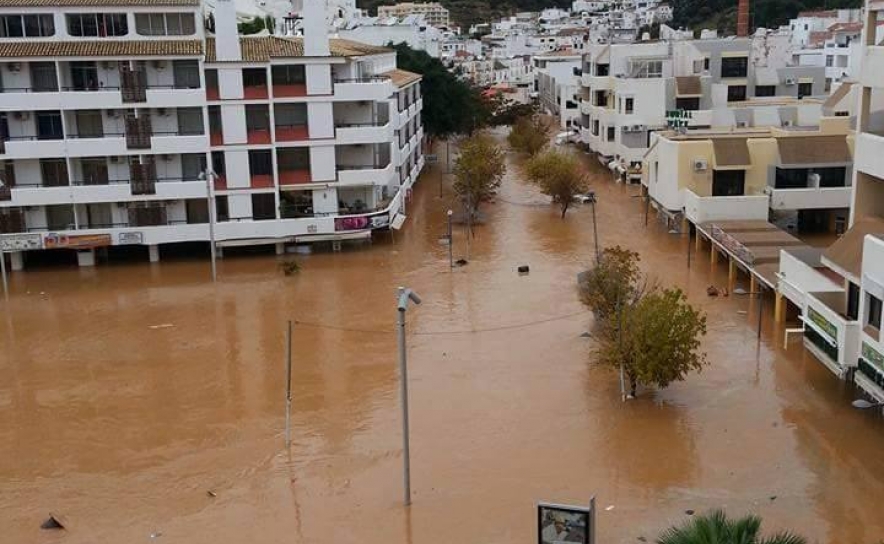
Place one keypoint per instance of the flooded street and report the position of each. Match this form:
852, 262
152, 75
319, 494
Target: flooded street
129, 391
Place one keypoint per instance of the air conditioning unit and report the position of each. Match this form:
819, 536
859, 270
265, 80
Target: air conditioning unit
700, 165
790, 81
14, 66
159, 64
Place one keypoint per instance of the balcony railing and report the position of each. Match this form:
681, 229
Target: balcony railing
364, 79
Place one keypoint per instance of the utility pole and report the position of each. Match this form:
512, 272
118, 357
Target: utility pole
450, 241
3, 271
595, 230
210, 204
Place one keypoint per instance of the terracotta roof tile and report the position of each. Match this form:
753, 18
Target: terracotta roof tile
263, 48
102, 48
402, 78
93, 3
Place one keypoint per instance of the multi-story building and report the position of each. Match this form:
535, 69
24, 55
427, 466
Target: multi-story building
116, 113
628, 90
557, 82
434, 12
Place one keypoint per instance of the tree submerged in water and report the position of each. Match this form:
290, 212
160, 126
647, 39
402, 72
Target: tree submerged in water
290, 267
559, 176
716, 528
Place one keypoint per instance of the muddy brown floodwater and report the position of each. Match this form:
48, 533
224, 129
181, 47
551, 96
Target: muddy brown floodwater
129, 391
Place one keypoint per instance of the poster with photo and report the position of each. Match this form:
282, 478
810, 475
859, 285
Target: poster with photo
560, 524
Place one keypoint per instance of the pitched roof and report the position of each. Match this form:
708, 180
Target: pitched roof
847, 252
819, 14
102, 48
263, 48
814, 150
731, 152
93, 3
688, 86
402, 78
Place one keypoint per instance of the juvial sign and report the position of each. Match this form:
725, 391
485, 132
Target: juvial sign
21, 242
76, 241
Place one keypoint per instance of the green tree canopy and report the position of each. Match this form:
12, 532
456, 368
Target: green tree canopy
716, 528
529, 134
559, 175
478, 171
613, 282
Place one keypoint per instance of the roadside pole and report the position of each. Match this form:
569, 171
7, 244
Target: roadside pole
288, 386
3, 269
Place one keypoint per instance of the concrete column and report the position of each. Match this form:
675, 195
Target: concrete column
219, 252
699, 241
731, 274
713, 253
280, 248
753, 283
154, 253
17, 258
779, 308
86, 257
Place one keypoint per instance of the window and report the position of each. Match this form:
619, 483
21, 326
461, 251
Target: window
89, 124
97, 24
222, 210
736, 93
805, 89
84, 76
728, 182
49, 125
43, 77
54, 172
164, 24
699, 66
706, 64
36, 26
734, 66
612, 132
60, 217
874, 313
263, 207
687, 104
94, 171
190, 121
186, 74
646, 68
192, 165
765, 90
595, 128
602, 69
630, 105
852, 301
11, 26
830, 61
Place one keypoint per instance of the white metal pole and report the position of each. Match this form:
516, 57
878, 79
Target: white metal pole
288, 386
403, 393
3, 269
210, 201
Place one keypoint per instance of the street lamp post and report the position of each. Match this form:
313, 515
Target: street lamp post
450, 241
760, 294
3, 272
209, 176
595, 229
403, 296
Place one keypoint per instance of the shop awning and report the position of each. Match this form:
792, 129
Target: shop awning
797, 150
731, 153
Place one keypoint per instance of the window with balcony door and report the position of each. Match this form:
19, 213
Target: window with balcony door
873, 314
97, 24
44, 78
32, 26
186, 74
84, 76
629, 105
192, 166
197, 211
734, 67
90, 123
54, 172
765, 90
99, 216
60, 217
190, 121
728, 182
263, 207
49, 125
612, 132
852, 301
12, 220
165, 24
805, 89
736, 93
687, 104
8, 176
94, 171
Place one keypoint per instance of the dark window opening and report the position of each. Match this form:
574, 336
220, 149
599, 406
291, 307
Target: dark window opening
728, 182
852, 301
805, 89
765, 90
734, 66
687, 104
736, 93
263, 207
874, 319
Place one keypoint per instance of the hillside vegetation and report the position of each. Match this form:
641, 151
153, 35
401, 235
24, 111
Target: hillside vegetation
722, 14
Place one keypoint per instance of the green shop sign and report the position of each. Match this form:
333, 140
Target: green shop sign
678, 118
827, 327
872, 355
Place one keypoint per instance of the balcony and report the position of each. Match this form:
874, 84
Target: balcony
172, 143
702, 209
294, 177
363, 133
365, 174
34, 147
829, 334
292, 133
813, 198
261, 181
366, 88
89, 145
870, 371
868, 155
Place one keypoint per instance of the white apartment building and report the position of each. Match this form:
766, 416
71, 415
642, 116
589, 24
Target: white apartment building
557, 83
629, 89
435, 14
838, 49
115, 111
412, 30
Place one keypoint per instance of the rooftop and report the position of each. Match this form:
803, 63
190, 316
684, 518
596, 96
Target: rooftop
94, 3
263, 48
101, 48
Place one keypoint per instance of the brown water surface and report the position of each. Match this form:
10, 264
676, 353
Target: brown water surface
129, 391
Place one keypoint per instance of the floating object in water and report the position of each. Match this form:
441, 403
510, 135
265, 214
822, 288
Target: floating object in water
211, 493
524, 269
52, 522
461, 262
712, 291
162, 326
689, 512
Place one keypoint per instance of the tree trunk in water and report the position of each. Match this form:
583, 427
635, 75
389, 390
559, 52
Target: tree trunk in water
564, 209
633, 384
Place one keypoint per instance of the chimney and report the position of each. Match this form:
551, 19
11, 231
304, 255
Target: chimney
315, 28
743, 18
226, 31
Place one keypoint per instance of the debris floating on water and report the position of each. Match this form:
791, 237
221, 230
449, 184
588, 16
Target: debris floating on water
689, 512
586, 335
608, 509
211, 493
52, 523
524, 269
162, 326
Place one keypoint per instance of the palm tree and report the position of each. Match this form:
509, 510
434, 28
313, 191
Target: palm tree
716, 528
